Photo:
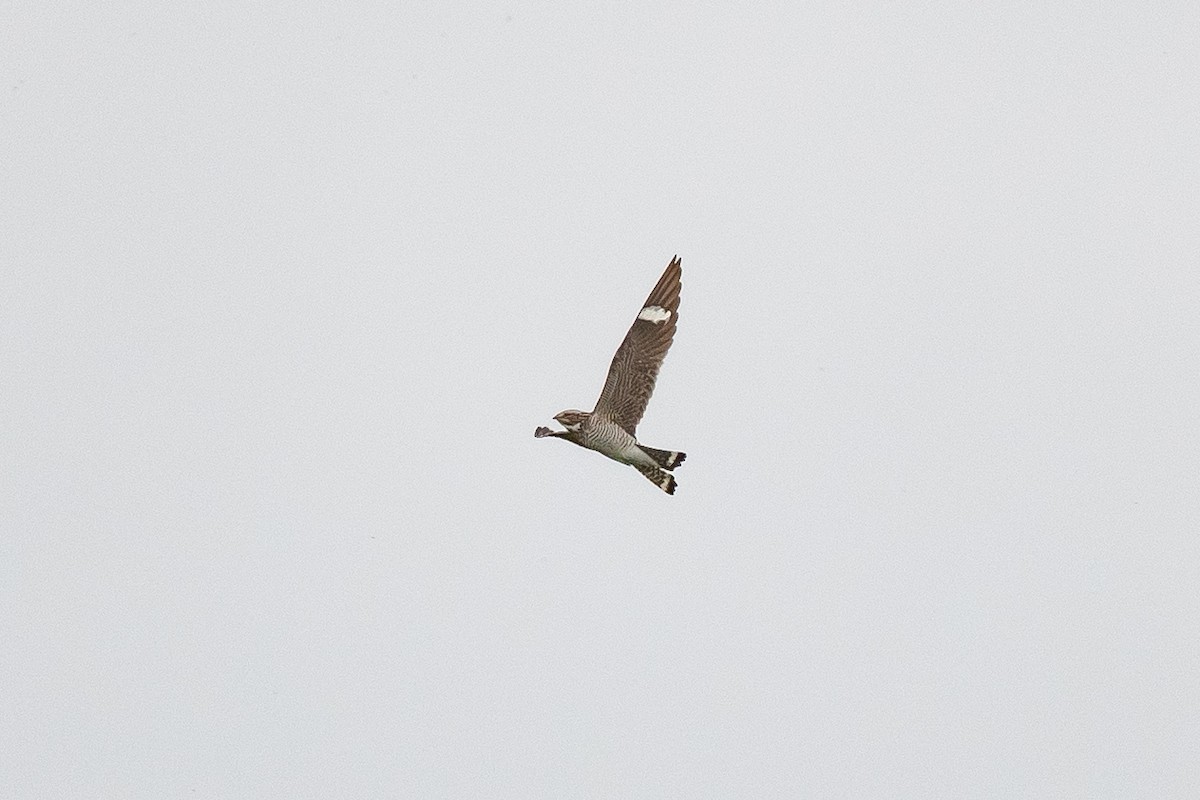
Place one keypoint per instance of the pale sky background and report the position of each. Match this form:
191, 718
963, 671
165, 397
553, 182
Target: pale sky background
286, 288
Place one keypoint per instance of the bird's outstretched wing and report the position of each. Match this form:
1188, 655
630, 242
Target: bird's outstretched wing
635, 366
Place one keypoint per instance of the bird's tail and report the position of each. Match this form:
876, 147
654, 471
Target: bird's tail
667, 459
660, 478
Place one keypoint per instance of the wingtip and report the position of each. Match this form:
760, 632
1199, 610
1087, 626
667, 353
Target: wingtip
676, 266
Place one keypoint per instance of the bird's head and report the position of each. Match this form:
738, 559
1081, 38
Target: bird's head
571, 419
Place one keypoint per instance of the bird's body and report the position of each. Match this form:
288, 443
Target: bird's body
611, 427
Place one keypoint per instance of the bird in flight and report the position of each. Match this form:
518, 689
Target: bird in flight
611, 427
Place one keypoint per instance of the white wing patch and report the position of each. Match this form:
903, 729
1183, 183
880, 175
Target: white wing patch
655, 314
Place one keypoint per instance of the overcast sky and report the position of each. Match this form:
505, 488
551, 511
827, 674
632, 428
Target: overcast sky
285, 290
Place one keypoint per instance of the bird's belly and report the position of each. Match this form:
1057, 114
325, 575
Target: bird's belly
619, 446
630, 453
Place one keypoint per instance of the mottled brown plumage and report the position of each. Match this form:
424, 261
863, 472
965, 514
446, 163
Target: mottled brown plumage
634, 368
611, 428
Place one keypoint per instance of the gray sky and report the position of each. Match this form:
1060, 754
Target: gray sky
285, 291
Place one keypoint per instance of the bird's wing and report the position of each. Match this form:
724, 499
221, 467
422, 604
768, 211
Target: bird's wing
635, 366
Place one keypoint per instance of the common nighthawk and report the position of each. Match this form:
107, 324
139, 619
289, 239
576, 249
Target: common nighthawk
611, 427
